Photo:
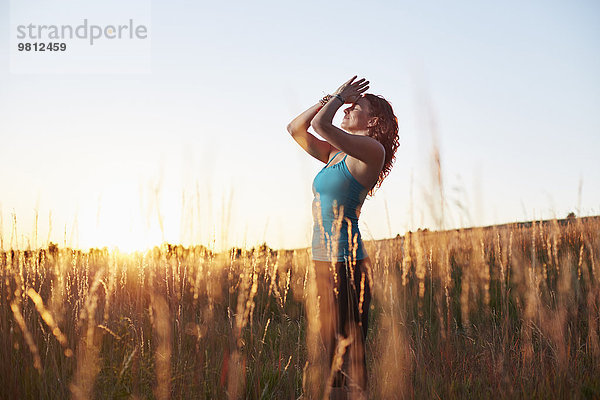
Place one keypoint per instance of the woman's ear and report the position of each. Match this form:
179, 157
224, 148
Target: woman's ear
372, 122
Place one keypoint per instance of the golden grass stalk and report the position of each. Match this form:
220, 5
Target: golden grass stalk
37, 361
336, 365
162, 356
49, 320
87, 348
393, 363
314, 368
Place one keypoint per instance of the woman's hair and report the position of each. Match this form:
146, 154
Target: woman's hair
385, 131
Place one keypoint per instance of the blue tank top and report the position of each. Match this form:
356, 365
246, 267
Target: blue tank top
338, 199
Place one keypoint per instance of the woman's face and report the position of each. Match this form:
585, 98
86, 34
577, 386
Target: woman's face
357, 116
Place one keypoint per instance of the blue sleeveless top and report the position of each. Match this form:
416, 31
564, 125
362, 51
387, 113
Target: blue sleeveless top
338, 199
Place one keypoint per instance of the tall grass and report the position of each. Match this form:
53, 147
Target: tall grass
502, 312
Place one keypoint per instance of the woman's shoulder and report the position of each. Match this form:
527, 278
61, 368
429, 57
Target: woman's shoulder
333, 152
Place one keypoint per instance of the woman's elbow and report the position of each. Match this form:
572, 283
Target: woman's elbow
316, 124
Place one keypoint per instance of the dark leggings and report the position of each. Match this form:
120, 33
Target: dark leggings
345, 297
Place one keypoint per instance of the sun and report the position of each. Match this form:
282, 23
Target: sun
124, 218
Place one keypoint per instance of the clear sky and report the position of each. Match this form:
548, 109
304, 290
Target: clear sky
195, 148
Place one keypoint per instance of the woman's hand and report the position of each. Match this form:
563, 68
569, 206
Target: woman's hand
351, 91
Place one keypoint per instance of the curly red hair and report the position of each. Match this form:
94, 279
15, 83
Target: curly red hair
385, 131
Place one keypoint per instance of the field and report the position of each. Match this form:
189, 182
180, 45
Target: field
503, 312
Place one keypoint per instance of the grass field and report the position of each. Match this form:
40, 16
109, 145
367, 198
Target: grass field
502, 312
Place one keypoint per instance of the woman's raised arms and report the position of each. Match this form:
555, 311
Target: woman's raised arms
358, 120
298, 128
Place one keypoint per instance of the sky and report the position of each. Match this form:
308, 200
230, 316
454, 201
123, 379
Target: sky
181, 136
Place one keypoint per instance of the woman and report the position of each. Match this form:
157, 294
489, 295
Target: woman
358, 157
